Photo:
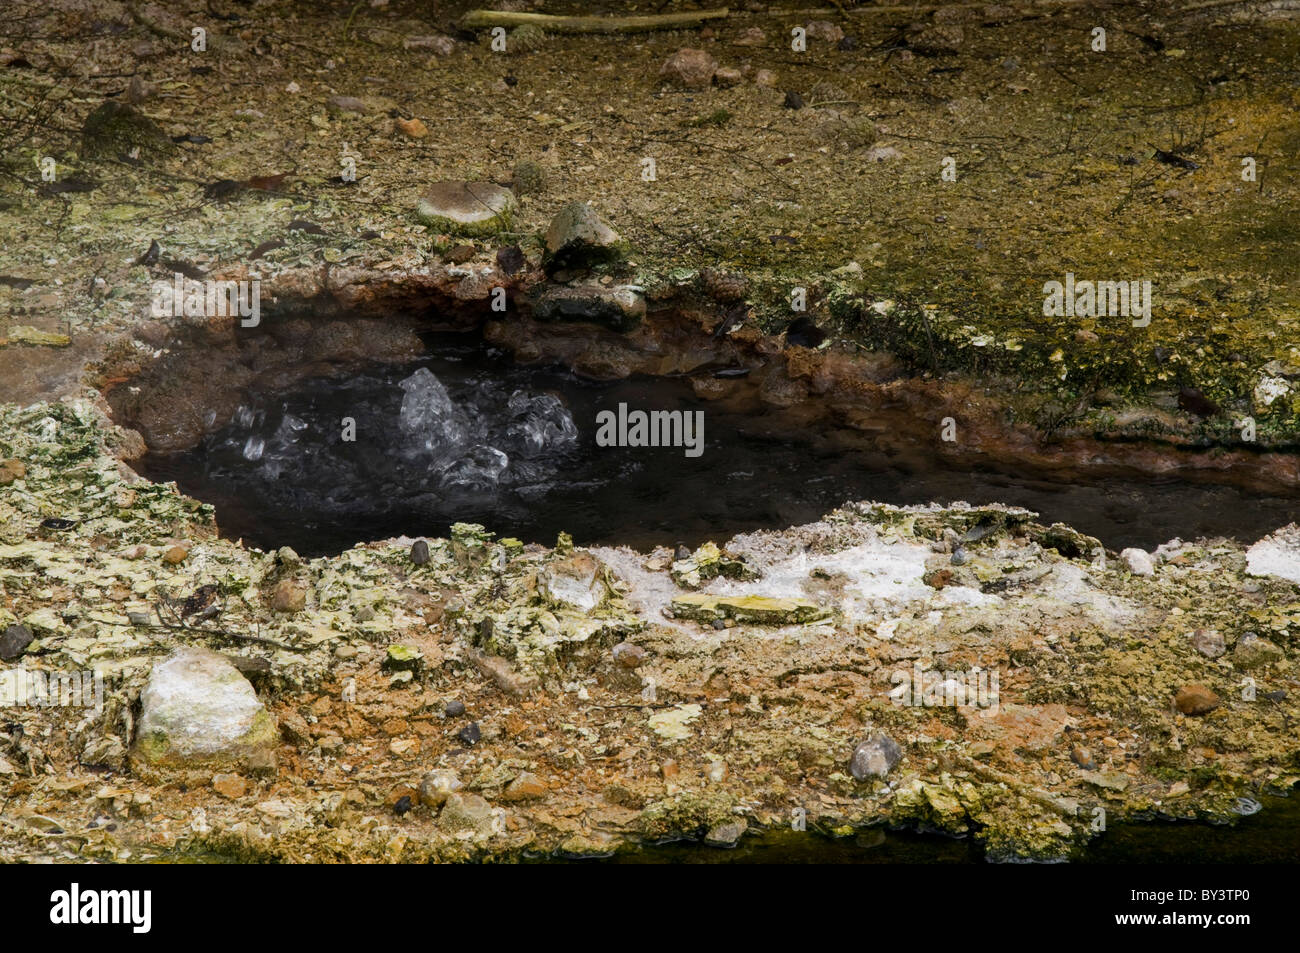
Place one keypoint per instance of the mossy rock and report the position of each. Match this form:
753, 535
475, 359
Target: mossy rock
525, 38
529, 177
467, 208
577, 237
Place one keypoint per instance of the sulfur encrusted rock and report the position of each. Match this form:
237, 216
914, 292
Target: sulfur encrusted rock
199, 714
761, 610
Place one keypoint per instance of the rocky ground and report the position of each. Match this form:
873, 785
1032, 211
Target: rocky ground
475, 697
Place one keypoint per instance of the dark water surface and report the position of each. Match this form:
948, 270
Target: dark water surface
480, 441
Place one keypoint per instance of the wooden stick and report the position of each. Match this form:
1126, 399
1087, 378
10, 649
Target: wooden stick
563, 24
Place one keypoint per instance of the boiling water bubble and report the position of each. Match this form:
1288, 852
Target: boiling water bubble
480, 468
540, 422
428, 413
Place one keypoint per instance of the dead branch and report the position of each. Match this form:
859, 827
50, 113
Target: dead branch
579, 24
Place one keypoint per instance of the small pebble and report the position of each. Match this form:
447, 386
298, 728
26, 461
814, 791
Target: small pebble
419, 552
403, 805
470, 734
792, 100
959, 556
455, 709
14, 642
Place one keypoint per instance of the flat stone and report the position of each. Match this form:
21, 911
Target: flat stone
346, 104
1107, 780
727, 76
620, 307
1277, 554
467, 208
197, 710
760, 610
1252, 651
1196, 700
26, 334
230, 785
526, 787
403, 658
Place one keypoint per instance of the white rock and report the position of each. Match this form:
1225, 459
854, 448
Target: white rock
198, 707
1270, 389
1276, 555
1138, 561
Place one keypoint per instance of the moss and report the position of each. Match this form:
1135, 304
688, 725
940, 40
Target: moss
114, 129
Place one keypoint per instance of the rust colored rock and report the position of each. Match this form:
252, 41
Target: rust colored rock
1196, 700
938, 579
289, 595
525, 787
176, 555
230, 785
691, 68
11, 470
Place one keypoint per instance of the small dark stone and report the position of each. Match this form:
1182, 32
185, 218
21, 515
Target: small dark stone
683, 552
959, 556
461, 254
14, 642
1276, 696
455, 709
470, 734
802, 332
510, 259
792, 100
403, 805
1161, 355
419, 552
848, 43
55, 523
512, 81
221, 189
1192, 400
719, 623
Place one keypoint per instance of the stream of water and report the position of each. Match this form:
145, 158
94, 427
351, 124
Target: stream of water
466, 435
